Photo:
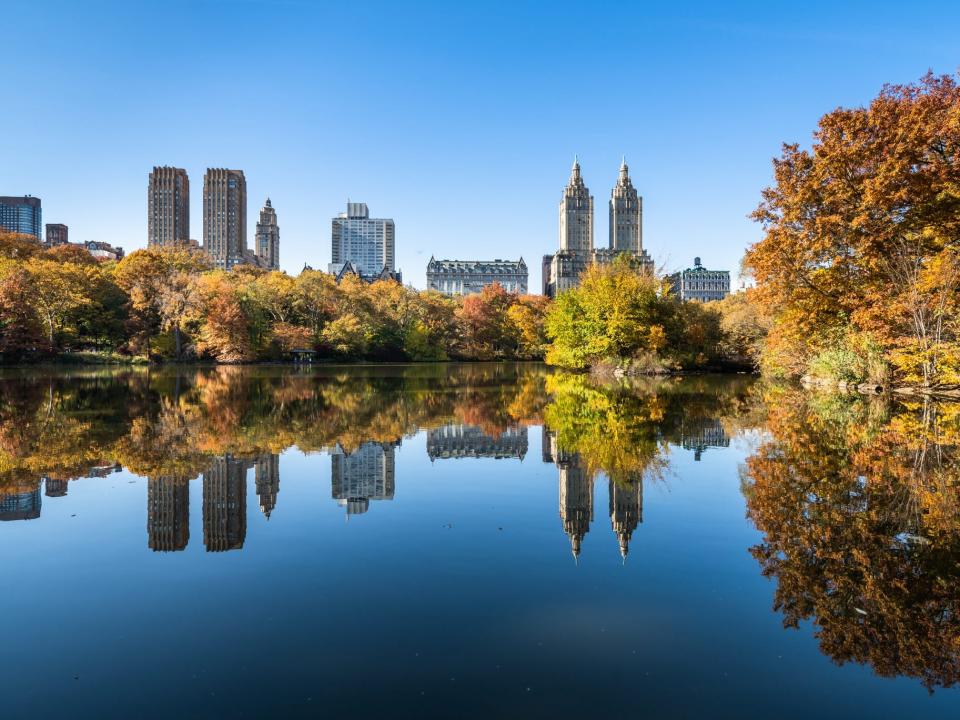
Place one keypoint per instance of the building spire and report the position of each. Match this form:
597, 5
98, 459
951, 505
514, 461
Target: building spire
575, 172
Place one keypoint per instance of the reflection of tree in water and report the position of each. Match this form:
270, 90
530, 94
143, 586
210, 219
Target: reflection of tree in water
623, 430
861, 524
170, 422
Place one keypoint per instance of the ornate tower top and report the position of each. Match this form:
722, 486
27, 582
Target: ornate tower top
624, 179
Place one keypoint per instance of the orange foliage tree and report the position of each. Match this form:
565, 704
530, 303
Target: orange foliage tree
860, 235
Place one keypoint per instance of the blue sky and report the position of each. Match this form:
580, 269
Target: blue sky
458, 120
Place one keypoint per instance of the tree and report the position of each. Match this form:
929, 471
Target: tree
224, 328
616, 314
21, 331
57, 290
154, 279
485, 328
528, 315
852, 226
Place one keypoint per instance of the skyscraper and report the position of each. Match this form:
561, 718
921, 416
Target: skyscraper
168, 207
363, 475
267, 242
57, 234
168, 513
266, 475
562, 270
366, 243
225, 504
576, 500
225, 217
576, 215
21, 215
626, 511
626, 215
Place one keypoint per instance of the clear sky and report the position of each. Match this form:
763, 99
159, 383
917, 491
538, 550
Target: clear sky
458, 120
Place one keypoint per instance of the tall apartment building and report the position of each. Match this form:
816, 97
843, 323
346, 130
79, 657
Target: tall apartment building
225, 217
21, 215
562, 270
366, 243
168, 207
267, 239
626, 215
698, 283
57, 234
465, 277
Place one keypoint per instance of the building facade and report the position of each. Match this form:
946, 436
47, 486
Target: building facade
466, 277
21, 215
168, 207
103, 251
562, 270
363, 475
225, 504
366, 243
267, 239
168, 513
225, 217
698, 283
456, 440
57, 234
626, 215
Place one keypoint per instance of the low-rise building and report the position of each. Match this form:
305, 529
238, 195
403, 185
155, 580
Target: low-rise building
700, 284
103, 251
466, 277
341, 270
57, 234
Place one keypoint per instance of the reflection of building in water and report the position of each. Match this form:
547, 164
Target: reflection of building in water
363, 475
21, 505
468, 441
576, 500
168, 512
225, 504
576, 490
55, 487
626, 511
698, 434
267, 476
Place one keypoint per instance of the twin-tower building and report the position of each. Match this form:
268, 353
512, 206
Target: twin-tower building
224, 217
561, 271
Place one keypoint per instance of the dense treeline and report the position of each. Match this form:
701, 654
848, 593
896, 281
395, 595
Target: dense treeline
625, 318
169, 304
858, 268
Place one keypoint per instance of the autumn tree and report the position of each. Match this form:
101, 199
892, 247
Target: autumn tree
618, 313
155, 280
860, 234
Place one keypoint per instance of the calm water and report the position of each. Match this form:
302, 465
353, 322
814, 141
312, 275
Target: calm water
472, 541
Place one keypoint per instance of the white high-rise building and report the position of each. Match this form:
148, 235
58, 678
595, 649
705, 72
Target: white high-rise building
366, 243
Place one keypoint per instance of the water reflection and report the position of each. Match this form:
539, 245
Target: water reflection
368, 473
857, 502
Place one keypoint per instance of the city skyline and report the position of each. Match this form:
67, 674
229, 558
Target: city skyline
477, 113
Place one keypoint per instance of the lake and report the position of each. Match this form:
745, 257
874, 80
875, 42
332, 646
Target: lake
478, 540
